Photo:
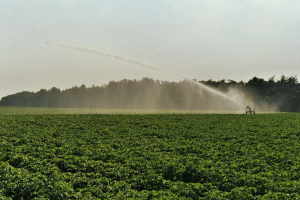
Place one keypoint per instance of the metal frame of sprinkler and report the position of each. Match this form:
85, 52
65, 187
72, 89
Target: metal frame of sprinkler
249, 111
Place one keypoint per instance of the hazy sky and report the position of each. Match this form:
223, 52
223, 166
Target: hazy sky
200, 39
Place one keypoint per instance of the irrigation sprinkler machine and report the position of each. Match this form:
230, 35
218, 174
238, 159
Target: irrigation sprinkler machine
249, 111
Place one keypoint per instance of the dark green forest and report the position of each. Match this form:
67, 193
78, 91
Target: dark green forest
154, 94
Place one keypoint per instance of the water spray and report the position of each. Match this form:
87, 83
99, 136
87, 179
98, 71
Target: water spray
153, 68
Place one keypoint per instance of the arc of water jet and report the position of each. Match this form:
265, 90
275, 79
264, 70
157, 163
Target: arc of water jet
154, 68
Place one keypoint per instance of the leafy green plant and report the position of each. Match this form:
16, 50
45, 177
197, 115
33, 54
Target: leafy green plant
206, 156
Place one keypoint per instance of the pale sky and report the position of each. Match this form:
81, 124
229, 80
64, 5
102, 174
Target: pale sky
200, 39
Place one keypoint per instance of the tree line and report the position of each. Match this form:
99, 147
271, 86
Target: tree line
154, 94
284, 93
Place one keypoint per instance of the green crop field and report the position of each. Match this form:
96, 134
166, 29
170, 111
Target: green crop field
166, 156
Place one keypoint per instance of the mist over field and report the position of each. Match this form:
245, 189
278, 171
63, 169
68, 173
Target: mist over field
260, 95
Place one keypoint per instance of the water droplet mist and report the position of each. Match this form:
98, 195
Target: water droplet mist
212, 99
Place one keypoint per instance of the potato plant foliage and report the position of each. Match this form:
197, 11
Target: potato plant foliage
203, 156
